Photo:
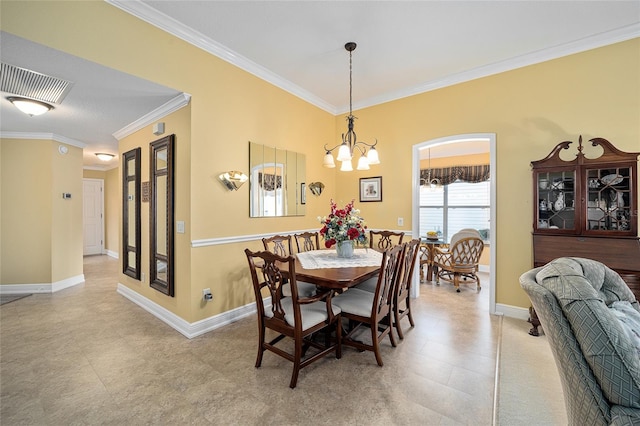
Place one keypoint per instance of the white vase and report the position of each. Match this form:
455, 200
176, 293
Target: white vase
344, 249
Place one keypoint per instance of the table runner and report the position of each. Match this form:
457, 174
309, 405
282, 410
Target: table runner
319, 259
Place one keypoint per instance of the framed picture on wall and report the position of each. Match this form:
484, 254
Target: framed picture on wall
371, 189
303, 193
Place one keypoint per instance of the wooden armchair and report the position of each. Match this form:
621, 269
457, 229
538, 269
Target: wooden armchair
384, 240
459, 260
295, 317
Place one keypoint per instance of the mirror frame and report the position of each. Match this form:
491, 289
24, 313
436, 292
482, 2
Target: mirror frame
127, 227
164, 286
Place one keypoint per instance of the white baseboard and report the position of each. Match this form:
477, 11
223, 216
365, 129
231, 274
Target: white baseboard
512, 311
112, 253
41, 288
189, 330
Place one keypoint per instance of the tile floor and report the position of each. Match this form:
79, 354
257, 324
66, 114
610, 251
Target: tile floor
87, 355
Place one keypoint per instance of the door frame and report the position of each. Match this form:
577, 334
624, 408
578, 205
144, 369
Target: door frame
102, 219
415, 210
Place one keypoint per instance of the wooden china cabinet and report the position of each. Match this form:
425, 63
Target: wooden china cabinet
588, 208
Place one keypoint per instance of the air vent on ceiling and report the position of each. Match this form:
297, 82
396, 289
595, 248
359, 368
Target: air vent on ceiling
34, 85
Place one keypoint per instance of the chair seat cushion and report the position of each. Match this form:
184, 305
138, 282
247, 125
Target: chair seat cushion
312, 313
354, 301
605, 346
369, 285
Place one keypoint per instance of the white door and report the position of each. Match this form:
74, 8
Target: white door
93, 230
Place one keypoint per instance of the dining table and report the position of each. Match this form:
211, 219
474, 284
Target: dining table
326, 270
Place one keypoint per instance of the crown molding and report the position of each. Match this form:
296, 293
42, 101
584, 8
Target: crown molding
166, 23
40, 135
588, 43
170, 25
162, 111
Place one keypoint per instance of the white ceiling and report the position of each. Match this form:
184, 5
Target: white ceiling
404, 48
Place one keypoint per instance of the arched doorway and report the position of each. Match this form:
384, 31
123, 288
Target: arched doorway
467, 138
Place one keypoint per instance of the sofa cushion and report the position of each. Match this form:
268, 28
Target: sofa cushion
581, 287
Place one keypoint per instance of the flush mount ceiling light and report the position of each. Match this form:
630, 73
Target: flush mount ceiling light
350, 144
29, 106
104, 156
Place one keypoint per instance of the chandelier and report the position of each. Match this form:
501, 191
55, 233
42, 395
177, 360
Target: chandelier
433, 184
350, 144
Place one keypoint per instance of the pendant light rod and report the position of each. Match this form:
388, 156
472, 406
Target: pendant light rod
350, 140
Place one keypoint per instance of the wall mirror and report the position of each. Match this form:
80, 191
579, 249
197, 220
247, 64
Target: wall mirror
161, 215
277, 182
131, 213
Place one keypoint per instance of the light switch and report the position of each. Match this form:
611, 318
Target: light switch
180, 226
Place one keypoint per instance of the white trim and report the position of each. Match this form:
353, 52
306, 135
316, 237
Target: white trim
42, 287
162, 111
171, 26
201, 41
42, 135
112, 253
512, 311
245, 238
415, 212
187, 329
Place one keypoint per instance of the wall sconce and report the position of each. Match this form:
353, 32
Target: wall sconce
316, 188
104, 156
30, 107
233, 180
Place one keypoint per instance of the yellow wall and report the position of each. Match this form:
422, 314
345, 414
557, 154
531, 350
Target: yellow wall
41, 231
177, 123
595, 93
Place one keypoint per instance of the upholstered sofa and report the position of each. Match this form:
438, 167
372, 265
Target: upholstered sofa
594, 350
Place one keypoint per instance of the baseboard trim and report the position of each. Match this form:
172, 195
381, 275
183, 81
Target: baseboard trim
187, 329
512, 311
112, 253
42, 287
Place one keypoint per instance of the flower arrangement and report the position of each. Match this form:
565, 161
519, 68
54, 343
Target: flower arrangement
343, 225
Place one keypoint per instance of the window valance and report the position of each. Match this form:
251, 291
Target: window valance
269, 182
447, 175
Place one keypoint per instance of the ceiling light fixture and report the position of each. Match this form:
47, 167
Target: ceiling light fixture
433, 184
349, 140
104, 156
30, 107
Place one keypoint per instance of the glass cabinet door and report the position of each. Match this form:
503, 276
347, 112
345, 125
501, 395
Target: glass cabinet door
608, 199
556, 200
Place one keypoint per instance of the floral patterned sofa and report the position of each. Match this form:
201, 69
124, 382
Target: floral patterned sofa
594, 350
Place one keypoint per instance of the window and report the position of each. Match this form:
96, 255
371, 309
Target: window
457, 206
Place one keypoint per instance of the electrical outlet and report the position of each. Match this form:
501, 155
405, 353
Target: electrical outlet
206, 295
143, 277
400, 221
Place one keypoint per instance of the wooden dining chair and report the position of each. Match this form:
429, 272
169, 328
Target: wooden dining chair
281, 245
384, 240
297, 318
278, 244
372, 310
307, 241
401, 303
